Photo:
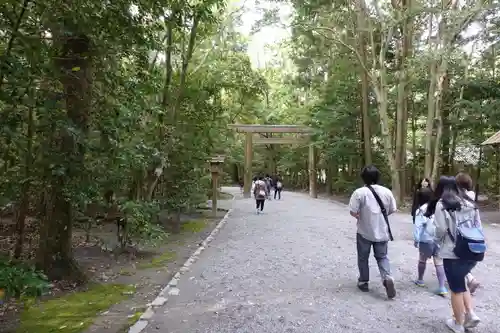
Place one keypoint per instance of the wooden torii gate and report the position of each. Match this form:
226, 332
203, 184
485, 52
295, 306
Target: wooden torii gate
250, 140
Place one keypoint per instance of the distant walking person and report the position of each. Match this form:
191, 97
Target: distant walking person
242, 184
268, 182
371, 205
260, 194
278, 188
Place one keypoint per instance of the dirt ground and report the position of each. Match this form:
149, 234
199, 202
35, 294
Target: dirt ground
148, 269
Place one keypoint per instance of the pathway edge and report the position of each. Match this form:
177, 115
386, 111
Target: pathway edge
171, 288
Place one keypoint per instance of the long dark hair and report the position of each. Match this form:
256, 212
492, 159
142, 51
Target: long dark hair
424, 196
418, 187
450, 194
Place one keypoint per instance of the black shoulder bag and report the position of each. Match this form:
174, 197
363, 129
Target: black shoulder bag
384, 211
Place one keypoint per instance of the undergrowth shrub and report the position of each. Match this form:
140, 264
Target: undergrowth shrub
19, 280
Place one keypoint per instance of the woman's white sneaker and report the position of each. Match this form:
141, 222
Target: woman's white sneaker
471, 320
454, 326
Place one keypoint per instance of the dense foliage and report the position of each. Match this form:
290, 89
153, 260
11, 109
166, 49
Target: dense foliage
111, 109
408, 85
19, 281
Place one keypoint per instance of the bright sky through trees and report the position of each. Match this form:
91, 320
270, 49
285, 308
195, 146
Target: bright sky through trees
253, 12
268, 35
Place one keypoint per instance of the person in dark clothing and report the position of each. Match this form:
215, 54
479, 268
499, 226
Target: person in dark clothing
278, 187
424, 183
268, 182
242, 184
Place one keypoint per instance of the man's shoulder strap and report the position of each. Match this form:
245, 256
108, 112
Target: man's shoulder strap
377, 197
382, 209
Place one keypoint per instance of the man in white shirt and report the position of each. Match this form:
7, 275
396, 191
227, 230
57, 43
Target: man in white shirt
373, 230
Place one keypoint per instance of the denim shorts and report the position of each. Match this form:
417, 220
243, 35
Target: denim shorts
428, 250
456, 270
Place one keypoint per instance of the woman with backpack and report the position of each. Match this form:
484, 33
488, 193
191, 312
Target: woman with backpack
461, 241
423, 232
260, 194
464, 182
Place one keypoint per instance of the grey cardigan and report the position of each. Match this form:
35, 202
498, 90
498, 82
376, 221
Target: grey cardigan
443, 220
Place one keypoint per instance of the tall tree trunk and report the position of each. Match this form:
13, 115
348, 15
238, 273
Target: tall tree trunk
413, 144
329, 172
186, 59
364, 92
55, 255
382, 99
406, 53
25, 189
380, 87
446, 167
454, 130
444, 44
383, 105
400, 117
155, 173
169, 22
429, 128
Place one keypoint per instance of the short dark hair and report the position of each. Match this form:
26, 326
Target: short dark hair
370, 175
464, 181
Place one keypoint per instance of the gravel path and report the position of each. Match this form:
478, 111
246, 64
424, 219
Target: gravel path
293, 269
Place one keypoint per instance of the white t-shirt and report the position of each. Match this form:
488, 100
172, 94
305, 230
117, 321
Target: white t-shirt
371, 222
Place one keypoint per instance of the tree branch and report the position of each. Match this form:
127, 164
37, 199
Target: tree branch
468, 20
12, 38
345, 44
185, 63
155, 58
168, 58
221, 30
